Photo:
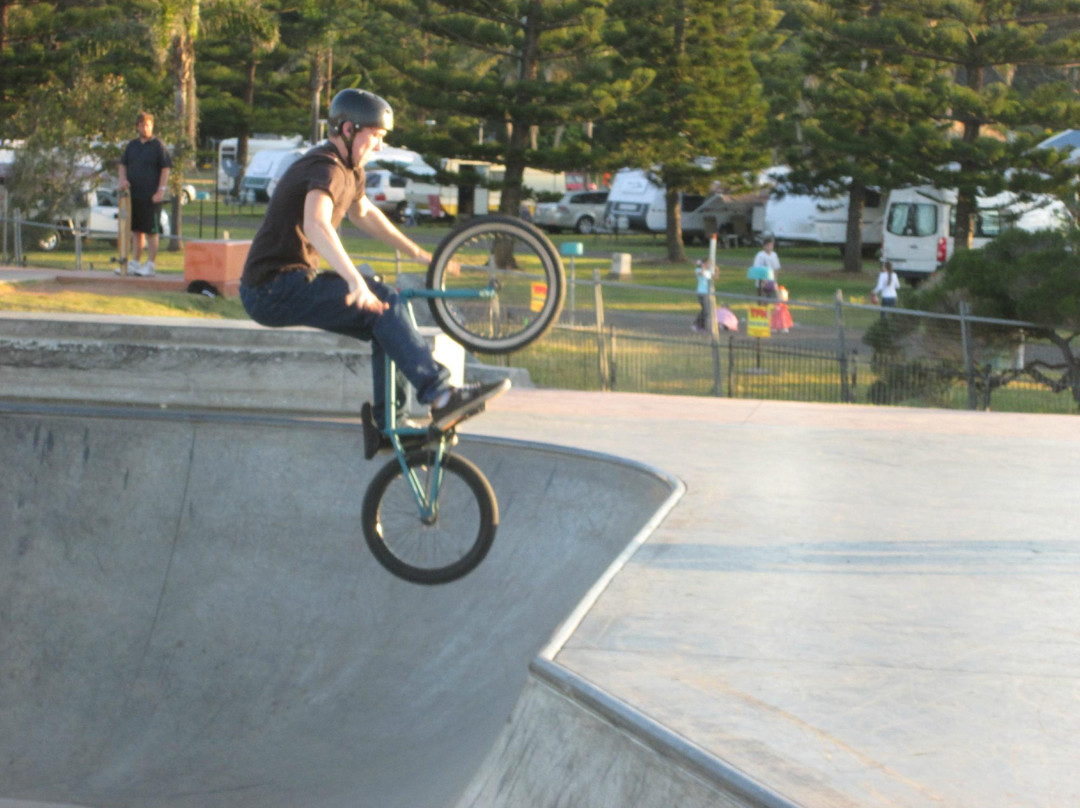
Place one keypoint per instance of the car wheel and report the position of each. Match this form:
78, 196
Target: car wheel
586, 226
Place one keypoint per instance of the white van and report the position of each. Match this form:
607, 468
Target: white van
920, 223
264, 171
256, 143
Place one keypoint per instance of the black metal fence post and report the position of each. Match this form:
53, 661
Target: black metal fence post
845, 389
969, 360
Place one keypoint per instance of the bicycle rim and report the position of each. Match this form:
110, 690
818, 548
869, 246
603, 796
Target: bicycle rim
515, 259
444, 549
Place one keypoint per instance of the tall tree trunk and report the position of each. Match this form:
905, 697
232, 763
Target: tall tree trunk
966, 201
518, 137
676, 250
853, 239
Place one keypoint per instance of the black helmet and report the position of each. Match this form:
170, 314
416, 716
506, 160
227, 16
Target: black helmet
362, 108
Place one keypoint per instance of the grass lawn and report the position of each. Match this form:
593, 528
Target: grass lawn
810, 274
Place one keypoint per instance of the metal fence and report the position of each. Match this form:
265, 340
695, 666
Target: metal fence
841, 352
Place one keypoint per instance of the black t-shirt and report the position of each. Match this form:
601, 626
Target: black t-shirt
144, 163
280, 245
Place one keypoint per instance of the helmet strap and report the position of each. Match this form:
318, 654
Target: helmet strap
348, 144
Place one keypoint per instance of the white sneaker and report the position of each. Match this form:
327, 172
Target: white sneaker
132, 268
144, 270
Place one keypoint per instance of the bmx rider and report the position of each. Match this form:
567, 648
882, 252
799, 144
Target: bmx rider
281, 283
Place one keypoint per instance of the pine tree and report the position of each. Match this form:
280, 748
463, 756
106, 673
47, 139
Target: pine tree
498, 80
697, 121
990, 126
854, 107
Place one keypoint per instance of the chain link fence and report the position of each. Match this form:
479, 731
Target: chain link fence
841, 352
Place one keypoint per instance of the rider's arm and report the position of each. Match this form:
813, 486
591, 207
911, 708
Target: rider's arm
319, 229
373, 222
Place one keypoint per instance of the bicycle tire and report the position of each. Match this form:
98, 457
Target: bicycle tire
451, 547
524, 267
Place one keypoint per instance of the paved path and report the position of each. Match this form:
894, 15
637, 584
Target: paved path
854, 606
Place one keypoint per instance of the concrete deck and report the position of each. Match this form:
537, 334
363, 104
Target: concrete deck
850, 606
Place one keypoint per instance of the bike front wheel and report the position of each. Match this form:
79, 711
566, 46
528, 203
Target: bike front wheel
445, 547
513, 259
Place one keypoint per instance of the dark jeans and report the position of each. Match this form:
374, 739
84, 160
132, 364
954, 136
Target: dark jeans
291, 299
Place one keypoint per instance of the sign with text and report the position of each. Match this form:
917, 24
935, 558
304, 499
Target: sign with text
539, 297
758, 323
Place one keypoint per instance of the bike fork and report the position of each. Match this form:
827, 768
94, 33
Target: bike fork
425, 491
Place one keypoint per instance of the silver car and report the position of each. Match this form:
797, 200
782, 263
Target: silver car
582, 211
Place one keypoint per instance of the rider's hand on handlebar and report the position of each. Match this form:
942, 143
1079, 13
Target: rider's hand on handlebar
365, 300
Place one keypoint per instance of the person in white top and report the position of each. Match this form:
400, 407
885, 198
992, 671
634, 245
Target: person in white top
888, 286
767, 256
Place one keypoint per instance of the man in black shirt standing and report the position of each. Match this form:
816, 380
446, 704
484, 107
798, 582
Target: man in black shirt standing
144, 171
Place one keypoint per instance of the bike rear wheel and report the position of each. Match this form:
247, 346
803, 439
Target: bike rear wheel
454, 543
519, 263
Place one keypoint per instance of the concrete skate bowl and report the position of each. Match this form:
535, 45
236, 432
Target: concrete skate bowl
189, 615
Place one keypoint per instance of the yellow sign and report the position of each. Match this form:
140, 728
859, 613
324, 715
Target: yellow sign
539, 297
758, 323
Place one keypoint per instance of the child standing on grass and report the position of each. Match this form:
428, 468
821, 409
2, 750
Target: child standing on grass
704, 272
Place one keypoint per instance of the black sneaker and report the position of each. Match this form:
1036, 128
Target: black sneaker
374, 439
465, 402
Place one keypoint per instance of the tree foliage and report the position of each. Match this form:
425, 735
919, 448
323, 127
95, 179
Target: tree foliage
988, 126
1029, 277
704, 101
496, 81
73, 140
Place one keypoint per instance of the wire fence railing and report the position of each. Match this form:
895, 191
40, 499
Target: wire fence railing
841, 352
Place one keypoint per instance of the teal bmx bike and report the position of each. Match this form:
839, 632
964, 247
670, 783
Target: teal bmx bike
495, 284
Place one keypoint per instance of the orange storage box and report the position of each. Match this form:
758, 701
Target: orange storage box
219, 262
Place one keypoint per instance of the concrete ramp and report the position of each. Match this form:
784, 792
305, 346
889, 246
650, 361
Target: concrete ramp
189, 615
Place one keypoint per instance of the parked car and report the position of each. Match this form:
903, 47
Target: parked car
387, 191
95, 217
577, 210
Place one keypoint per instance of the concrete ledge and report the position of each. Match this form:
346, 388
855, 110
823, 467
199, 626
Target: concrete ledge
219, 364
568, 743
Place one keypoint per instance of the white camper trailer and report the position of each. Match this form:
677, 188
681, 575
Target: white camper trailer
256, 143
920, 223
634, 192
264, 171
801, 219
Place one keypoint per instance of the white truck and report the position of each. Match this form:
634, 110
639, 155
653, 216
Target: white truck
920, 223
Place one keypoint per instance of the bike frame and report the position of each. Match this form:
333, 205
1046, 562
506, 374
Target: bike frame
426, 497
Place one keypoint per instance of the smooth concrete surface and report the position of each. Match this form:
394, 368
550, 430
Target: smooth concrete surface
850, 606
192, 362
189, 615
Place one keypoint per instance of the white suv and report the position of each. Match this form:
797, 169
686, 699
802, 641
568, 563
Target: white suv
582, 211
387, 190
